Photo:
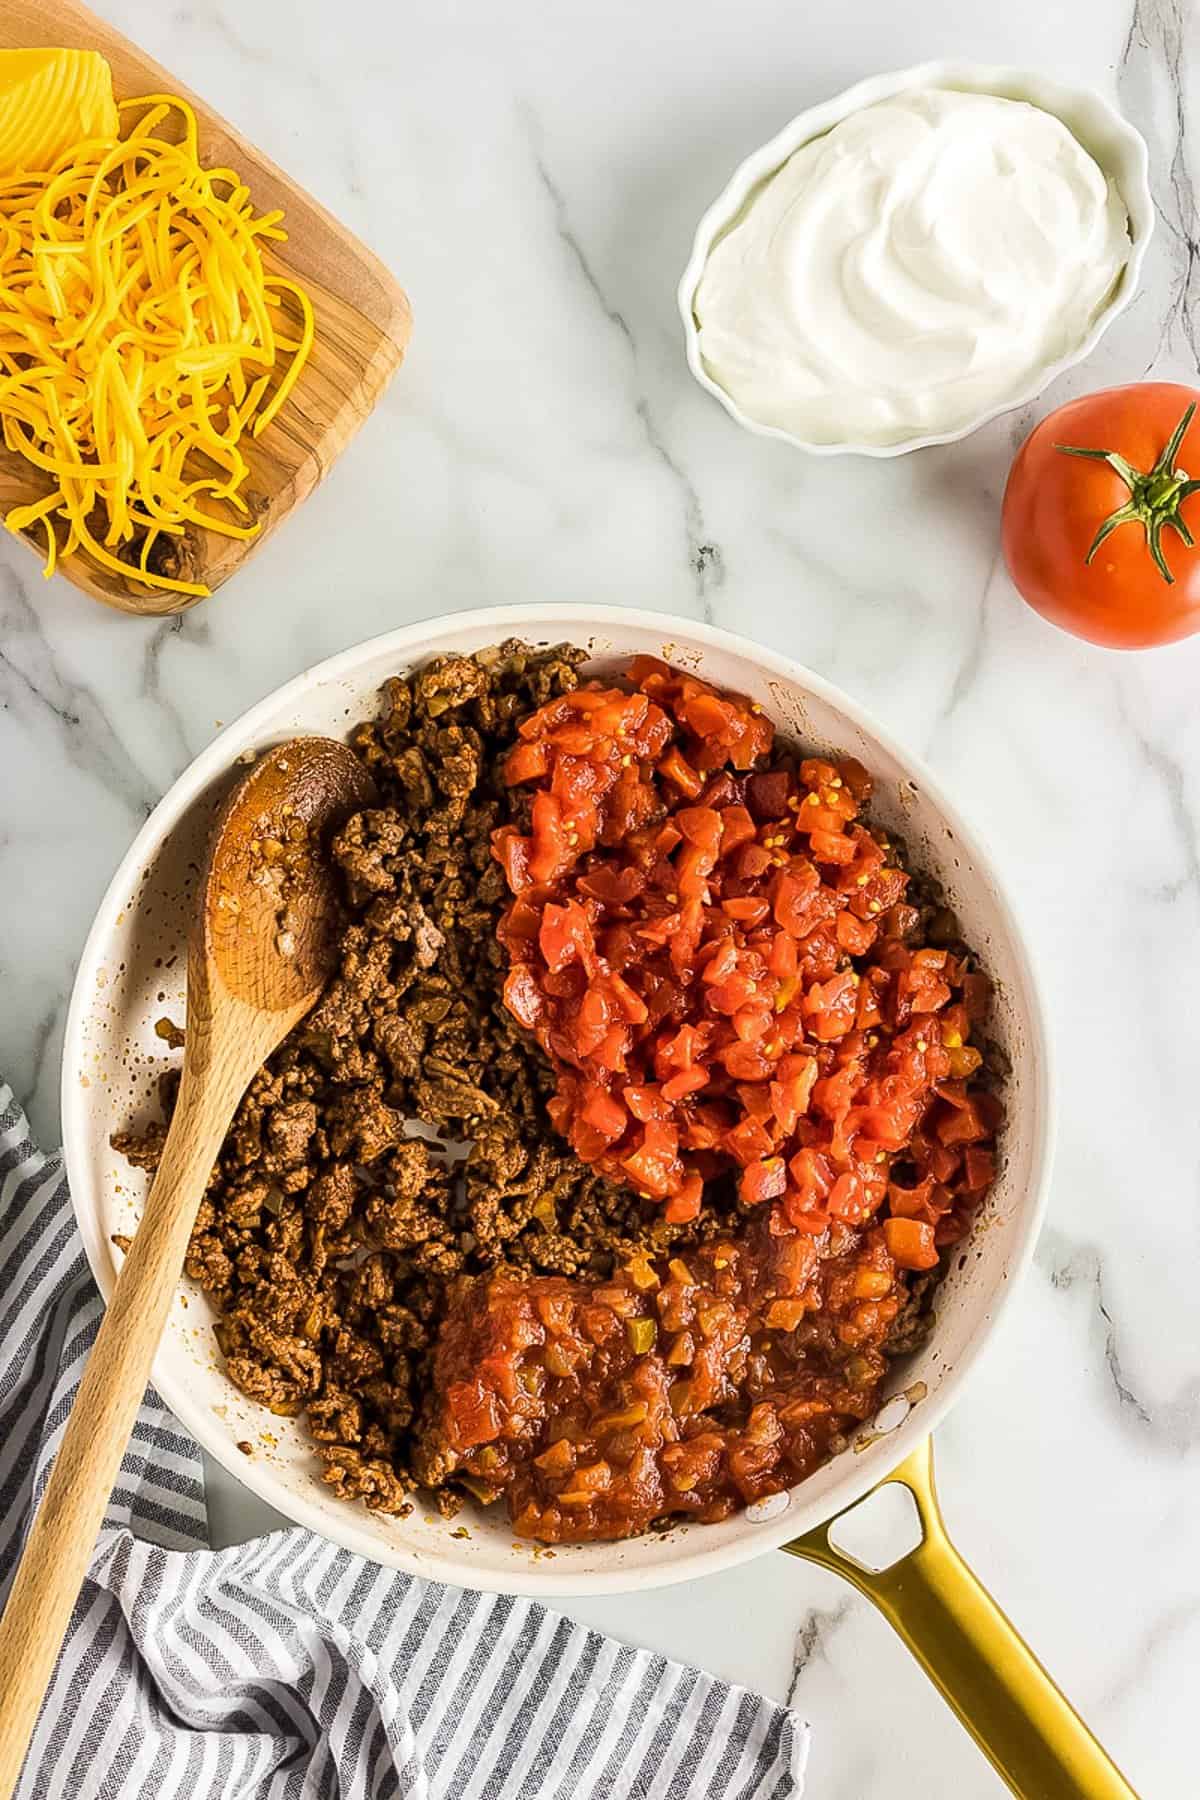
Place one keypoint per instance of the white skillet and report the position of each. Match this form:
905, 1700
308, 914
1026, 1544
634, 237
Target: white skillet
112, 1055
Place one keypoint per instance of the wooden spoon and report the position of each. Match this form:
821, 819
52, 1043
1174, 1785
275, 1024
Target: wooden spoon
264, 943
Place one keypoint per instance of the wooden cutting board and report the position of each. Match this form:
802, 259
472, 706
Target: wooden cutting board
361, 314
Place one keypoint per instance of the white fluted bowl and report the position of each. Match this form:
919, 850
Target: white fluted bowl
1119, 150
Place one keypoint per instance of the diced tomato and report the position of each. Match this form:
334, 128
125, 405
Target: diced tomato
602, 1111
745, 1062
588, 1143
752, 1021
846, 1199
527, 762
646, 1102
474, 1414
737, 828
599, 1323
651, 737
548, 856
661, 1140
900, 921
670, 937
794, 893
721, 963
910, 1243
615, 888
810, 1172
511, 851
868, 1011
686, 935
708, 715
943, 1162
856, 778
855, 936
612, 1052
790, 1096
784, 959
700, 825
699, 1130
813, 817
830, 1005
688, 1081
653, 1165
883, 889
961, 1125
572, 740
730, 995
756, 739
692, 867
720, 790
763, 1181
914, 1203
748, 1142
752, 861
676, 769
767, 795
832, 847
812, 1221
523, 920
679, 1051
625, 1000
631, 803
816, 772
566, 934
593, 1018
685, 1205
833, 1093
746, 910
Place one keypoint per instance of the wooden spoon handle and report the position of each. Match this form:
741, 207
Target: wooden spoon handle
60, 1542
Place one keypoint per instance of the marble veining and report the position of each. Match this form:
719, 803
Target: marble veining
534, 175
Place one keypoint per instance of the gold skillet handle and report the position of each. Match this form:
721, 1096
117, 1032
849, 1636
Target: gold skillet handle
975, 1658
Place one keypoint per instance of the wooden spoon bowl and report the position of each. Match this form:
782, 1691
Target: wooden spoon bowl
266, 926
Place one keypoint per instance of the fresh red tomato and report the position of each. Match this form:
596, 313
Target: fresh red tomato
1099, 512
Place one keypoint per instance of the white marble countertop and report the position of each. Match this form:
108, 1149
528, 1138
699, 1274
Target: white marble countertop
533, 175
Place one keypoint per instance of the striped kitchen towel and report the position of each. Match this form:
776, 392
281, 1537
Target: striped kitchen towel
285, 1669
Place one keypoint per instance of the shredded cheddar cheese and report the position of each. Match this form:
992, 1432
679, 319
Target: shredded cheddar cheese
141, 338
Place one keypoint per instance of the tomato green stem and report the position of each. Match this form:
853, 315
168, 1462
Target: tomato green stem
1154, 497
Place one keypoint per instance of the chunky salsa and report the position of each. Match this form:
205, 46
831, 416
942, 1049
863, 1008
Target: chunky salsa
682, 1388
720, 961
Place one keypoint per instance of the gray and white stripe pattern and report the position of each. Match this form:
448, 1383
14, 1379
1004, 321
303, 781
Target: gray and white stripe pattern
286, 1669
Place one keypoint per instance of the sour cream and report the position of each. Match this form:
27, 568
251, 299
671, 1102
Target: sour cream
922, 263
